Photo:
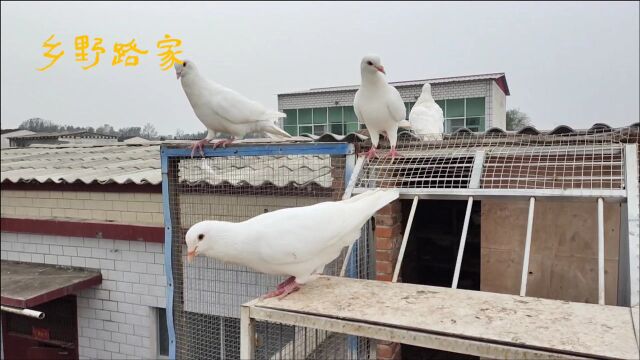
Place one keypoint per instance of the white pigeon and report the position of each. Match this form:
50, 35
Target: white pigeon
379, 105
296, 242
223, 110
426, 116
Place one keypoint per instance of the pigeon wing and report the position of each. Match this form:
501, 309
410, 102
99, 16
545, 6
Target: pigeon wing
395, 105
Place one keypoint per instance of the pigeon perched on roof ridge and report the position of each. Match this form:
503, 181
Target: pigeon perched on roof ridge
379, 105
426, 116
287, 241
221, 109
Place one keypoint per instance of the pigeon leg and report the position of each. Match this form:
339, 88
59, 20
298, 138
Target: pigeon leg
371, 153
223, 143
283, 291
198, 145
393, 153
292, 287
286, 282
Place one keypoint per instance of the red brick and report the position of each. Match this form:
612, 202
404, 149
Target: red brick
384, 267
385, 255
384, 352
387, 220
384, 243
384, 277
389, 351
388, 231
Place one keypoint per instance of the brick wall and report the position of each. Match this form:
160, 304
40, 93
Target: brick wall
388, 237
116, 320
129, 208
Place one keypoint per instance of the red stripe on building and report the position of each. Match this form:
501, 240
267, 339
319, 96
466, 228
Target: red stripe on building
84, 229
79, 186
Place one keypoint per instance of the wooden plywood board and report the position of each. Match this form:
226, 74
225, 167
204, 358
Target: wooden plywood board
564, 257
581, 329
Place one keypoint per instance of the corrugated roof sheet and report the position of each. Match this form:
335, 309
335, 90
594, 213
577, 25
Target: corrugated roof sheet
122, 163
41, 135
298, 170
492, 76
119, 164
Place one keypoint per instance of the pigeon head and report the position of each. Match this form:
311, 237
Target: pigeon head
185, 68
371, 64
199, 239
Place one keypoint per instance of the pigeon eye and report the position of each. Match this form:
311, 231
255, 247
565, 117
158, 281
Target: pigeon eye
201, 236
369, 63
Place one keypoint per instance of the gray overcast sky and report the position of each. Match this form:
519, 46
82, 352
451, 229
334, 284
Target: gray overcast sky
566, 63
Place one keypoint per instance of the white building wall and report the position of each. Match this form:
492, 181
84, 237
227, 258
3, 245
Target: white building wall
116, 320
453, 90
5, 137
499, 104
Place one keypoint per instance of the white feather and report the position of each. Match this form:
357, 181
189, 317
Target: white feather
296, 241
426, 116
221, 109
377, 104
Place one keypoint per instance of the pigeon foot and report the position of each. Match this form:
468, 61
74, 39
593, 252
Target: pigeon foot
370, 154
393, 153
283, 291
198, 145
286, 282
223, 143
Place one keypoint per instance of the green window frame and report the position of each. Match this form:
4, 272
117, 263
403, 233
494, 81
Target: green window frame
466, 112
305, 116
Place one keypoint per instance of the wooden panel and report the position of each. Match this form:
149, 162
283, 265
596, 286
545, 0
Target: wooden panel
575, 328
564, 249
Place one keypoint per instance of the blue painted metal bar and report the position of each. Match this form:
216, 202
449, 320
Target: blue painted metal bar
269, 149
243, 150
352, 264
168, 240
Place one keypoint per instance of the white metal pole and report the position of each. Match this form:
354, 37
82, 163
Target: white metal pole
527, 248
463, 240
407, 230
600, 251
633, 221
23, 312
247, 334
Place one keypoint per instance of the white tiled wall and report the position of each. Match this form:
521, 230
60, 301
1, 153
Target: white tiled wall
115, 318
454, 90
127, 208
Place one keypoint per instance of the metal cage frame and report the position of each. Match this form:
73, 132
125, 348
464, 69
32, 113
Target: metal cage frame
167, 152
628, 289
628, 196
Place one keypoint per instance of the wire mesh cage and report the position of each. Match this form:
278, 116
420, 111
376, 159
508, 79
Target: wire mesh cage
585, 160
207, 293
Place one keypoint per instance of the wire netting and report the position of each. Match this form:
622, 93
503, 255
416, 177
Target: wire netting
588, 160
208, 293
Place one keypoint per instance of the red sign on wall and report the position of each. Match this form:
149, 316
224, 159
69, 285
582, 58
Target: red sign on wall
40, 333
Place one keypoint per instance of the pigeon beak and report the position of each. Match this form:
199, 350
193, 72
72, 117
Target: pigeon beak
381, 69
190, 255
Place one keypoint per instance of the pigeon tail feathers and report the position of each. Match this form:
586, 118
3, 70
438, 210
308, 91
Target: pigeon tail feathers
274, 132
374, 200
404, 124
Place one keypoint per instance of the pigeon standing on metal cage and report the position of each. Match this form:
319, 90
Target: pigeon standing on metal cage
426, 116
221, 109
379, 105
